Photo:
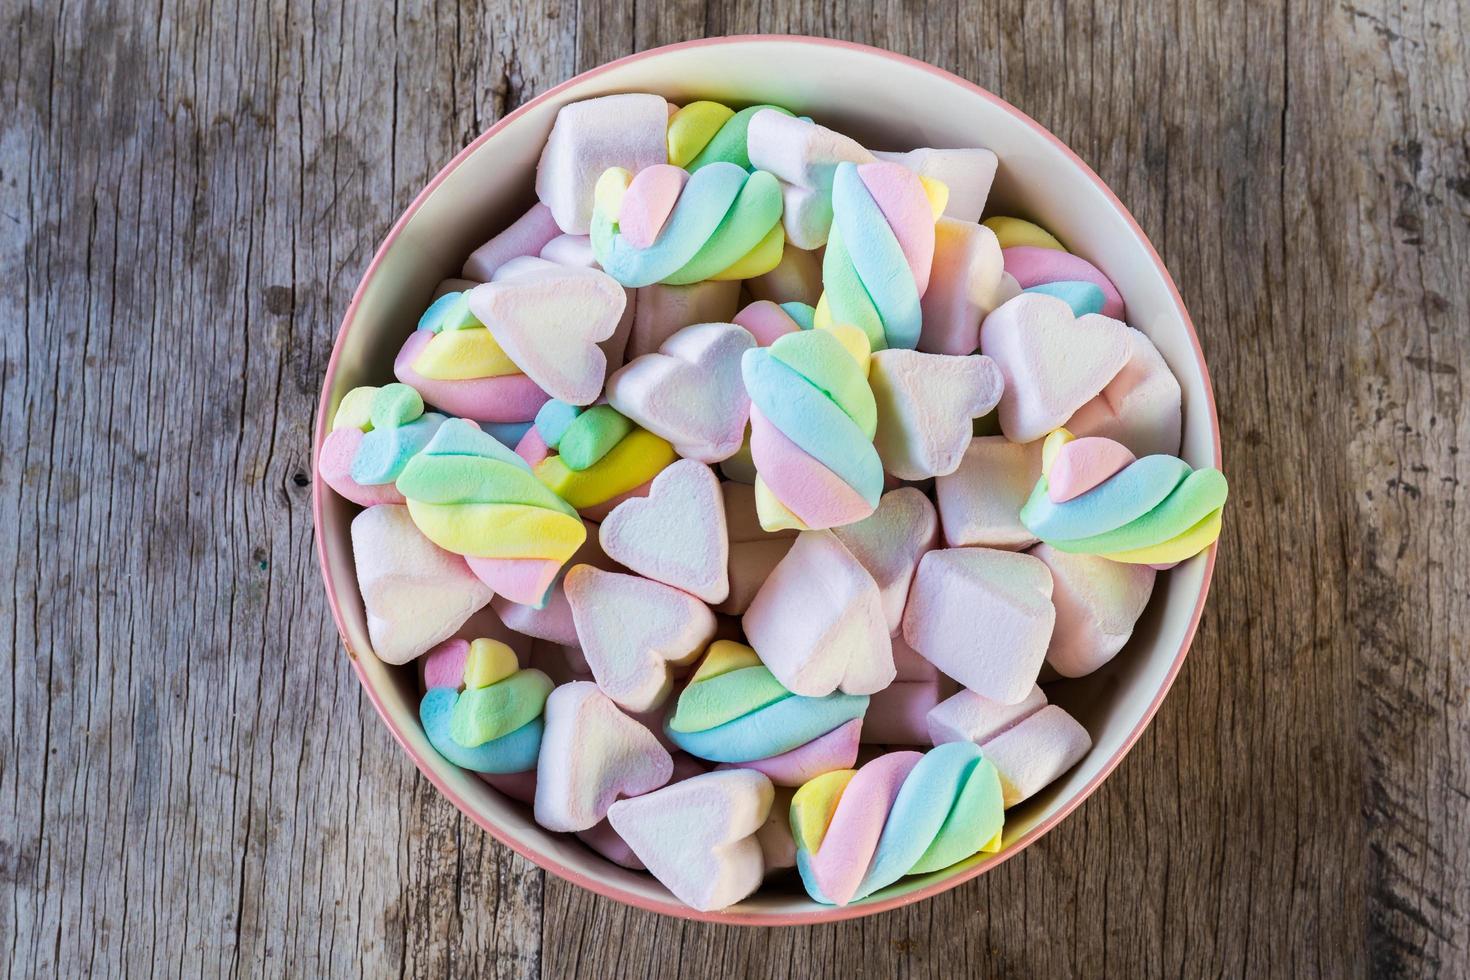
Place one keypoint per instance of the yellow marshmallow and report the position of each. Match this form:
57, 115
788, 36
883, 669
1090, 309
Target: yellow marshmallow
499, 530
692, 127
758, 261
489, 662
1177, 548
938, 193
355, 411
1055, 440
462, 355
724, 656
774, 515
1016, 231
636, 459
812, 807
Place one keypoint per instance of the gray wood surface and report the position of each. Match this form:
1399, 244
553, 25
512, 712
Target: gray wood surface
192, 782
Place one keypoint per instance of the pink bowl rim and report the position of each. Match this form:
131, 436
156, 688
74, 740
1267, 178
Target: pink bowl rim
674, 908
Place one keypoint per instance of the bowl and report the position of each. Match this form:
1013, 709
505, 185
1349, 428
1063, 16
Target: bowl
886, 101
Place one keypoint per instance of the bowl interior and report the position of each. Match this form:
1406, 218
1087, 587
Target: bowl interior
886, 102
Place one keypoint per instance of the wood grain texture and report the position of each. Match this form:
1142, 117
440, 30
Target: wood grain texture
193, 783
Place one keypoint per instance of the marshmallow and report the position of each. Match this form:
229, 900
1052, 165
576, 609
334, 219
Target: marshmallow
489, 718
754, 551
966, 282
967, 173
804, 157
735, 712
1011, 232
1140, 407
690, 392
812, 419
858, 831
778, 847
984, 617
415, 594
1098, 601
890, 543
898, 714
697, 837
625, 470
676, 535
664, 310
631, 629
702, 133
1053, 362
1155, 511
527, 235
589, 137
1035, 266
606, 841
880, 252
818, 621
553, 620
1034, 752
980, 502
767, 322
592, 754
926, 404
725, 223
472, 496
585, 307
970, 717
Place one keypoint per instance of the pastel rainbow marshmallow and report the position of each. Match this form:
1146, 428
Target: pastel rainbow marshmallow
926, 407
879, 255
1053, 362
592, 754
1098, 602
665, 225
458, 366
489, 718
1031, 743
1140, 407
527, 235
690, 392
968, 173
474, 497
804, 157
754, 551
889, 544
632, 630
1095, 498
859, 830
627, 131
898, 714
1067, 276
415, 594
818, 621
734, 711
812, 422
374, 434
767, 321
605, 461
966, 282
983, 617
980, 502
698, 837
676, 535
702, 133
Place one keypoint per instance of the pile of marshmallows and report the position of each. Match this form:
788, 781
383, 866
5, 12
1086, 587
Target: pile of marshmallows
808, 463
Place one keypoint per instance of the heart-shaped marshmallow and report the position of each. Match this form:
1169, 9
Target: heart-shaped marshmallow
890, 543
691, 392
698, 837
549, 321
626, 130
676, 535
1140, 407
414, 592
818, 621
1098, 602
982, 616
926, 404
1053, 363
591, 754
631, 629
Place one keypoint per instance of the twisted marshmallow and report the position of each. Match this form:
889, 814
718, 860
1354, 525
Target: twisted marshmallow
667, 225
735, 711
488, 717
702, 133
859, 830
812, 421
470, 495
374, 434
879, 254
1095, 498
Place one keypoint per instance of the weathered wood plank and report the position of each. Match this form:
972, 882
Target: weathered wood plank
192, 781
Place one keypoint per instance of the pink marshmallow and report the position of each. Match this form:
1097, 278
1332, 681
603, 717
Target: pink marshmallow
766, 322
970, 717
1033, 265
553, 622
804, 484
1140, 407
676, 535
527, 235
1083, 464
570, 250
889, 544
1033, 753
838, 749
1098, 602
984, 617
648, 202
334, 466
841, 862
905, 207
980, 502
508, 398
818, 621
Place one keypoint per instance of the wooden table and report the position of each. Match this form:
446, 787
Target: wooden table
193, 782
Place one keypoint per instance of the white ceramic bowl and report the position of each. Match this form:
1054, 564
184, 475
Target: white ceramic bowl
887, 102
